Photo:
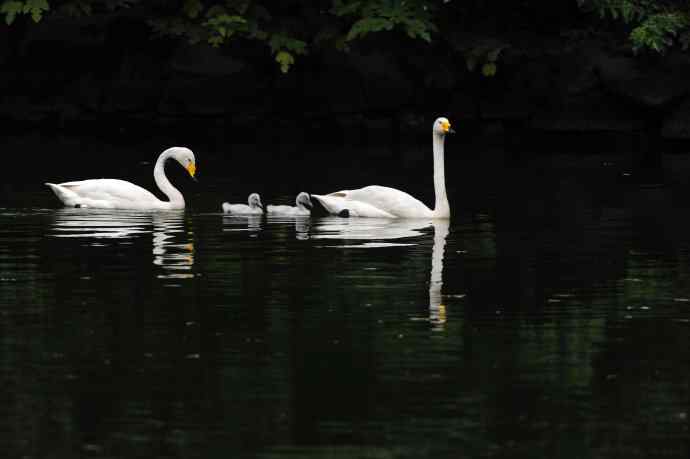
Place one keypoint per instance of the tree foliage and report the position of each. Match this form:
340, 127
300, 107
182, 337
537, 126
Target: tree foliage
654, 25
414, 18
34, 8
292, 28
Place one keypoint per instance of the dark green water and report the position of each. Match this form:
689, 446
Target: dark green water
551, 320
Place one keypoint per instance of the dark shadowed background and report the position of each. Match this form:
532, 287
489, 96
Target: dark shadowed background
548, 318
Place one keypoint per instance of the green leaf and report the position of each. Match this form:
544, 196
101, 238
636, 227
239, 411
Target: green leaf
489, 69
226, 20
285, 59
280, 42
36, 8
11, 9
224, 26
344, 8
215, 41
411, 16
417, 29
368, 25
657, 31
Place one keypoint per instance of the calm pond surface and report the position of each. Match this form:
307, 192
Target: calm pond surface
549, 318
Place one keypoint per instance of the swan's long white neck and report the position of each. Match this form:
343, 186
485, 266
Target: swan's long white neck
442, 208
176, 201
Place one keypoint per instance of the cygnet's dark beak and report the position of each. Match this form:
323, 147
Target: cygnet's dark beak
308, 205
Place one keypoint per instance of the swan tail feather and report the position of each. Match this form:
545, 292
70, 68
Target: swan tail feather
333, 205
68, 197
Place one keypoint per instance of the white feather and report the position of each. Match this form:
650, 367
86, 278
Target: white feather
254, 206
383, 202
301, 208
120, 194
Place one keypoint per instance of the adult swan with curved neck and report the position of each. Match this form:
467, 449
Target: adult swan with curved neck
384, 202
119, 194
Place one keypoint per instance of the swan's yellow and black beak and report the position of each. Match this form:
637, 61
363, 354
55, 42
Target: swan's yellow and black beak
445, 125
191, 168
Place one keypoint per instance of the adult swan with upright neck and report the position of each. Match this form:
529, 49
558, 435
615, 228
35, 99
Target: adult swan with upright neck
384, 202
119, 194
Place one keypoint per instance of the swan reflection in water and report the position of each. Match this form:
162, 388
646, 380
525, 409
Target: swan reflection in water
171, 249
375, 233
302, 224
375, 230
100, 224
172, 244
251, 223
437, 310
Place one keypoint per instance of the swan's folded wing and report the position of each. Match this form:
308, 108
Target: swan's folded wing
390, 200
112, 190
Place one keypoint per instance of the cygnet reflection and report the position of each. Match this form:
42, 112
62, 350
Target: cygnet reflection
251, 223
302, 224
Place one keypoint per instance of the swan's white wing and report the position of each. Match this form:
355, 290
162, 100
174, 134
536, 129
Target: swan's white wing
106, 193
118, 190
391, 200
336, 203
375, 201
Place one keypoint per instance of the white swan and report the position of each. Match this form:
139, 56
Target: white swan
383, 202
254, 208
119, 194
302, 207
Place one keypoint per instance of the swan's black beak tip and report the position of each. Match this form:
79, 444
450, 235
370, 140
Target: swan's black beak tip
451, 131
